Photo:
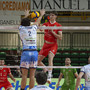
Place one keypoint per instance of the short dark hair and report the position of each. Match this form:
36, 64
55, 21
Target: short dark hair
25, 22
41, 78
54, 12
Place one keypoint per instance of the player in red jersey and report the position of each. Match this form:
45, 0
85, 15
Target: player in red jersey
50, 46
4, 72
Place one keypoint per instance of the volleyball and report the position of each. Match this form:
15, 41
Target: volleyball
35, 14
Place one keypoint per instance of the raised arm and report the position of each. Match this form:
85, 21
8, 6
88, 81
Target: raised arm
27, 13
42, 12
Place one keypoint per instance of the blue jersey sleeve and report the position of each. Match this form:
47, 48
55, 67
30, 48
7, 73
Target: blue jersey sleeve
83, 69
35, 26
21, 27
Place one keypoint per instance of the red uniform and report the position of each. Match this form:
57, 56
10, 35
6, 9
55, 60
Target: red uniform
3, 78
50, 38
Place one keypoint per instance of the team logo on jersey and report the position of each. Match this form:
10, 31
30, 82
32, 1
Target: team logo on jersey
69, 70
4, 71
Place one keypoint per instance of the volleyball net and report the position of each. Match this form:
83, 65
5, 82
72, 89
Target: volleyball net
56, 69
15, 27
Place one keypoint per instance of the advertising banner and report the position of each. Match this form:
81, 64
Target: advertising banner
60, 5
17, 85
14, 7
9, 20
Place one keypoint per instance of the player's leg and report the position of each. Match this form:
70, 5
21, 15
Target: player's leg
40, 63
51, 55
24, 78
32, 78
24, 65
42, 54
33, 65
50, 61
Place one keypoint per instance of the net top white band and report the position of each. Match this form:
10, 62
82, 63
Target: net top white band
66, 27
51, 27
44, 66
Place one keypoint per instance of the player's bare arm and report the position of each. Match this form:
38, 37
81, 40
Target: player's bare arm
11, 76
58, 36
76, 75
79, 79
42, 12
27, 13
60, 77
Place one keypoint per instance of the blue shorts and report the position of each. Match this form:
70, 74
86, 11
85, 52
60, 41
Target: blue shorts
87, 88
29, 59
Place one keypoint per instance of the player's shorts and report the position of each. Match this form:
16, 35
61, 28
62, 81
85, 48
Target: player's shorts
87, 88
6, 85
29, 59
48, 48
68, 87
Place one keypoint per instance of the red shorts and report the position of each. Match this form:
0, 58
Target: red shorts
48, 48
6, 84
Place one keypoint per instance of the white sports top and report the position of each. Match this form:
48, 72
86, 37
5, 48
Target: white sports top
28, 35
86, 70
41, 87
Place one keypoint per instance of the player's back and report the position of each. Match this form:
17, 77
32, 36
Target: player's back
28, 36
41, 87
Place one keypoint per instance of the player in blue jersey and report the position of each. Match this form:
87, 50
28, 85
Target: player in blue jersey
86, 72
29, 55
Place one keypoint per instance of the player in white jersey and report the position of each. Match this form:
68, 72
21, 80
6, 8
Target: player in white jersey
84, 71
41, 79
29, 55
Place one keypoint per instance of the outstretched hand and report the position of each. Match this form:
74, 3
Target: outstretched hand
27, 13
42, 12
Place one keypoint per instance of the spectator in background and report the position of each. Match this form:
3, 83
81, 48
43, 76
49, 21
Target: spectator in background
86, 72
4, 72
41, 79
69, 76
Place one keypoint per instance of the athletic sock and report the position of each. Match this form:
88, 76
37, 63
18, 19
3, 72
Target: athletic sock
49, 73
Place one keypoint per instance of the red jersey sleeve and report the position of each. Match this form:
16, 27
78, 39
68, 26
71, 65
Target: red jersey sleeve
9, 71
59, 25
45, 24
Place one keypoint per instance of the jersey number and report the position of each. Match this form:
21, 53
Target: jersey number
29, 33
